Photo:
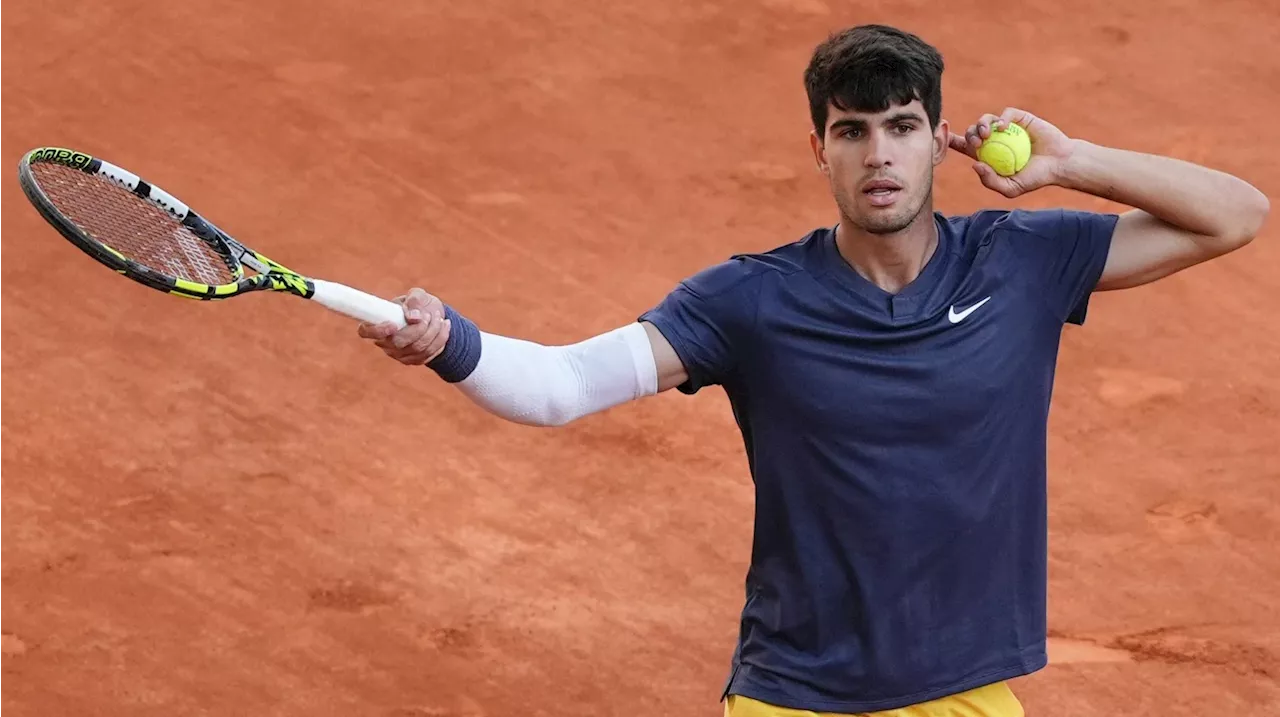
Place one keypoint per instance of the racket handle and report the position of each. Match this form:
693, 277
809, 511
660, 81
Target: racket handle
357, 304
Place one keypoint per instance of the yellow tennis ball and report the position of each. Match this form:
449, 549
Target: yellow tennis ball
1006, 150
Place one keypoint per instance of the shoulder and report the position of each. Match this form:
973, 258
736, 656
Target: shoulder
1049, 223
744, 272
1029, 234
729, 294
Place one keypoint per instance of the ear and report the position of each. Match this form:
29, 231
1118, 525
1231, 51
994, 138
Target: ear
819, 152
941, 142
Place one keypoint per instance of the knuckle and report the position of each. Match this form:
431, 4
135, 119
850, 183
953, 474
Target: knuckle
421, 299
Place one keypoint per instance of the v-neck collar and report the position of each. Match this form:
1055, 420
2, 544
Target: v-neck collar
907, 301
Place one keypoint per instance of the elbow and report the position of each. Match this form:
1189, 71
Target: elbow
555, 418
546, 415
545, 411
555, 410
1255, 214
561, 408
1250, 217
1262, 209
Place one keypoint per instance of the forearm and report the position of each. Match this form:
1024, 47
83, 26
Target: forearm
1212, 204
529, 383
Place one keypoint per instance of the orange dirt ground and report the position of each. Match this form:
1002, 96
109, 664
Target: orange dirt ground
241, 508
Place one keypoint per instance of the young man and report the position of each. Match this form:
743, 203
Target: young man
891, 376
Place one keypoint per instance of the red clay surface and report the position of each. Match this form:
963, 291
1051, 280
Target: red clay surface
240, 508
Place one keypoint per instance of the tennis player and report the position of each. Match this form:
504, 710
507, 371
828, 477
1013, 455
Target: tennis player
891, 375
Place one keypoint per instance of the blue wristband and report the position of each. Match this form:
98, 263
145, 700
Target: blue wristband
462, 350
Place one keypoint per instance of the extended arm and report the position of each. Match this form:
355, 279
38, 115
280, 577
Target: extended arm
526, 382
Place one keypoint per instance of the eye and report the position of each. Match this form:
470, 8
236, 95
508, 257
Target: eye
903, 128
851, 132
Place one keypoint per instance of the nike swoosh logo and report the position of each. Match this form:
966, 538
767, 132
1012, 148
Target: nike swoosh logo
956, 317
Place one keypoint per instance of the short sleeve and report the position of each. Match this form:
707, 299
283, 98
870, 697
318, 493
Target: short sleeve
1063, 252
706, 319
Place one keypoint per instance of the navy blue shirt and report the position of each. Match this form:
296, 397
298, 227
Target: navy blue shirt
898, 447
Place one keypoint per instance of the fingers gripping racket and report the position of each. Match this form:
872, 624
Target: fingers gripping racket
148, 235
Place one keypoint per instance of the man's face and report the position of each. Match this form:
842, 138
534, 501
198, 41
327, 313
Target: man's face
880, 165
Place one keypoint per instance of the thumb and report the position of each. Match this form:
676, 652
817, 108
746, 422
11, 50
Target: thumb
995, 182
414, 304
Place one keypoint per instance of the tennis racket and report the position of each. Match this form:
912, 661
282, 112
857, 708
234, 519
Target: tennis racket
148, 235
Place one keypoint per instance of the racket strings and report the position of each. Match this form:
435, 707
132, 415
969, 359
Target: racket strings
131, 225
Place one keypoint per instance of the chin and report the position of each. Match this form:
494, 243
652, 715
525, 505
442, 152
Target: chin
886, 224
874, 221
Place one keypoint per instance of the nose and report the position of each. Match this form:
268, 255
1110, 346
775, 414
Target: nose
878, 151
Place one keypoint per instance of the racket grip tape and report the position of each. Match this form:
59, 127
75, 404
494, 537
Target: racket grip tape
357, 304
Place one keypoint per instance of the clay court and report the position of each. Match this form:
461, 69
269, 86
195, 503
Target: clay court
241, 508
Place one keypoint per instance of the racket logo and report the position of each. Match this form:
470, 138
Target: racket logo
75, 160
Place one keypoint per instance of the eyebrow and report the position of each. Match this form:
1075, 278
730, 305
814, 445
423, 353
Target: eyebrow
892, 119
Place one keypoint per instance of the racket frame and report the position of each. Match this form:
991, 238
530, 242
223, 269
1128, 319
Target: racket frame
269, 275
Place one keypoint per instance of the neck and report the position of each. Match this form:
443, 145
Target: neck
890, 261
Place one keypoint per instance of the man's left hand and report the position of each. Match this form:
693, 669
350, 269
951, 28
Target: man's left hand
1050, 150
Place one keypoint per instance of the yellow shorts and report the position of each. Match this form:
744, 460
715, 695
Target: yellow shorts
995, 700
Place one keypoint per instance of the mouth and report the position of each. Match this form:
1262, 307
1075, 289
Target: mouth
881, 192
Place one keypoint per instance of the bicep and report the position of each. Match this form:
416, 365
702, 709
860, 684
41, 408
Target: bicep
671, 370
1145, 248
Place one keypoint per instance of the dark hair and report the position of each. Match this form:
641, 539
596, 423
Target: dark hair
868, 67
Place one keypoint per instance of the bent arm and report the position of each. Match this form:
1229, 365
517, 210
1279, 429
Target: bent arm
1184, 214
537, 385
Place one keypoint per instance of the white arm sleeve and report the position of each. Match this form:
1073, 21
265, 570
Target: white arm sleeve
538, 385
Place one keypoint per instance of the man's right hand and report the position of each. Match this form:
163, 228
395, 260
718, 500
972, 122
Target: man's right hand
423, 336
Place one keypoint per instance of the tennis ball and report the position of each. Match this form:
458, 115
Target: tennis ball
1006, 150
